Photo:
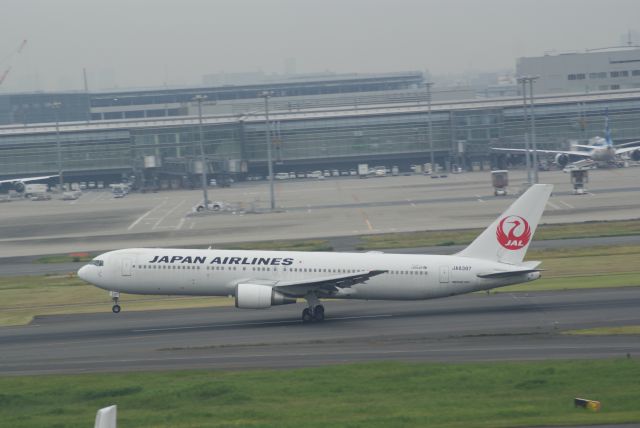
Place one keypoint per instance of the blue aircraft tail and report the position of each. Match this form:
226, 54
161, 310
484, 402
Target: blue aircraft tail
607, 130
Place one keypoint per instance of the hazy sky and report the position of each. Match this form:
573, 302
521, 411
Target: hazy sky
152, 42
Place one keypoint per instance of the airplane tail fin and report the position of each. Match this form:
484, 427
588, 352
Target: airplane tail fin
607, 130
507, 239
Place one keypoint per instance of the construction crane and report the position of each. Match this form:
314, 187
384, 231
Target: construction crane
8, 58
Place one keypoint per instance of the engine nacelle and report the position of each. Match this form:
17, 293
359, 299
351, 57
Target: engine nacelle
257, 296
19, 186
635, 155
562, 160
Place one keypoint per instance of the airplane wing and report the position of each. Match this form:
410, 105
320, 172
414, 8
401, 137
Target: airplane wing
25, 179
621, 150
635, 144
322, 285
550, 152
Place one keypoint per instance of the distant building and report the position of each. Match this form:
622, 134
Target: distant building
591, 71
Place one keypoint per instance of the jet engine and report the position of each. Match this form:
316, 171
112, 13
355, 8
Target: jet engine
635, 155
562, 160
19, 186
257, 296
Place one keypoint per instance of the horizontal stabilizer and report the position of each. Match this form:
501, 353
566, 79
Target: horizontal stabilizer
507, 274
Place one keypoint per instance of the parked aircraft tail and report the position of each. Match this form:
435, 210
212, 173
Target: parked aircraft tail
507, 239
607, 130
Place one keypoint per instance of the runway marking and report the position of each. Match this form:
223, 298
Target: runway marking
245, 356
142, 217
566, 204
411, 202
180, 223
194, 327
479, 198
161, 219
554, 206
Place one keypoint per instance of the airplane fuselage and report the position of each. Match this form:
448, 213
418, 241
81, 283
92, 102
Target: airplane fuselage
217, 272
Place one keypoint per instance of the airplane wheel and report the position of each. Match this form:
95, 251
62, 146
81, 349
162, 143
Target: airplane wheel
116, 309
318, 313
306, 315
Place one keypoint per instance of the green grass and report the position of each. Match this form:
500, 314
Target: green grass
479, 395
600, 331
65, 258
285, 245
22, 298
589, 267
465, 236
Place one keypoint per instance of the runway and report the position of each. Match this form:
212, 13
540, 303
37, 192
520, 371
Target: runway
477, 327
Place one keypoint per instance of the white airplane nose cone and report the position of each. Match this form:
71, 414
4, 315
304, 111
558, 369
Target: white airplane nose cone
83, 272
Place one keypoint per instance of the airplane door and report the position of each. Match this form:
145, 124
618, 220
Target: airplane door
127, 263
444, 274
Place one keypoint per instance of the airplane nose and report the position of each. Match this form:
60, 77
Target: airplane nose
83, 273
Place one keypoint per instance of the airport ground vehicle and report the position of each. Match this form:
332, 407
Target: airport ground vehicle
500, 181
33, 189
363, 170
261, 279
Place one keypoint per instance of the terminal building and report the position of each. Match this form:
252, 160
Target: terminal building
584, 72
382, 128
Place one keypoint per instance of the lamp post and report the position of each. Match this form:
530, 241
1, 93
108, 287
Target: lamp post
533, 130
56, 106
200, 99
523, 81
266, 95
433, 165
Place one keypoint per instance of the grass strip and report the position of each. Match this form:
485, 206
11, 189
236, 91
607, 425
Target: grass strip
284, 245
604, 331
24, 297
594, 229
386, 394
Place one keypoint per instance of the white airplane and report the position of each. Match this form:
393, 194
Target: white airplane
603, 150
261, 279
18, 183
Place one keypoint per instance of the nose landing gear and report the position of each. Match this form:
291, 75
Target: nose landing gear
115, 296
315, 311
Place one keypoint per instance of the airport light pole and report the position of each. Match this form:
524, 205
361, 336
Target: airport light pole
433, 165
199, 99
533, 129
56, 106
523, 81
266, 95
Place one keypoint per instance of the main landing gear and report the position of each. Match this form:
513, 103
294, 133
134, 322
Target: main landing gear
315, 311
115, 296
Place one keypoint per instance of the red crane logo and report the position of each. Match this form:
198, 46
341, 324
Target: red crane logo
518, 234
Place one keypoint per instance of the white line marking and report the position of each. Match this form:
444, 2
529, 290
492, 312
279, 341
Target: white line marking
566, 204
145, 214
192, 327
180, 223
161, 219
554, 206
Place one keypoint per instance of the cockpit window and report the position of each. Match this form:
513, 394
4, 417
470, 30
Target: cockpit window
96, 262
